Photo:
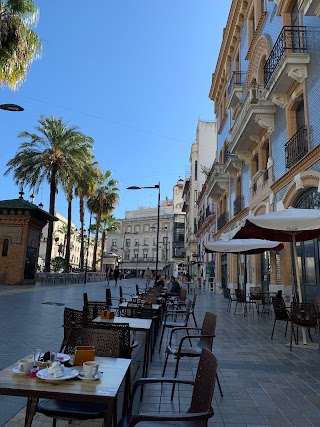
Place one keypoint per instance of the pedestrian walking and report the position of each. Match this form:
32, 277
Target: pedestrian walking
108, 274
148, 275
116, 274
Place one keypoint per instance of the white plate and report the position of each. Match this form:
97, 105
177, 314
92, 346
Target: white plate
67, 375
97, 377
16, 371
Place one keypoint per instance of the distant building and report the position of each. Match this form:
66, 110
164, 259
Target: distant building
136, 243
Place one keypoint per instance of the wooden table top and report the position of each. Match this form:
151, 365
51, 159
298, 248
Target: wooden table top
135, 324
114, 371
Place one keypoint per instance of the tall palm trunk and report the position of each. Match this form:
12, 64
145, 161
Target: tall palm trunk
95, 248
103, 242
67, 258
81, 209
53, 189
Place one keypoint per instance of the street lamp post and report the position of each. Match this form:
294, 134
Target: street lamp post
133, 187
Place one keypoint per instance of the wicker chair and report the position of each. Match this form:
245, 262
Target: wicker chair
71, 319
106, 343
93, 309
204, 340
280, 313
304, 315
200, 409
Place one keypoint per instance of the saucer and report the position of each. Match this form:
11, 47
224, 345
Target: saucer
97, 377
16, 371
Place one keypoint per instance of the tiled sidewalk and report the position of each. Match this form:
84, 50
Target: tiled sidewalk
264, 384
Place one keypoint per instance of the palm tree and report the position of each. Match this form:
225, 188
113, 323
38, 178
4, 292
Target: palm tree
84, 189
19, 44
108, 223
56, 151
104, 199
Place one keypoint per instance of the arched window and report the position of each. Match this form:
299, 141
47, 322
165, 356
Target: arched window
5, 247
310, 199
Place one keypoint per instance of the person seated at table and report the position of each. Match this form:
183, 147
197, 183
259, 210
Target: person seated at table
159, 281
175, 288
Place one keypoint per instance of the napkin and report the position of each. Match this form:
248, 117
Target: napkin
56, 370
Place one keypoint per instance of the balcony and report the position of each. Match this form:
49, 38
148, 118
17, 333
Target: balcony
310, 7
235, 88
217, 182
287, 62
222, 220
296, 147
232, 165
238, 205
256, 114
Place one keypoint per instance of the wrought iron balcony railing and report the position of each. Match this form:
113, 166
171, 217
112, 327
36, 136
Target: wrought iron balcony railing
238, 205
296, 147
291, 39
222, 220
236, 80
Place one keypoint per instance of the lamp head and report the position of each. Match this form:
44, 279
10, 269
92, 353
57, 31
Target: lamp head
134, 187
11, 107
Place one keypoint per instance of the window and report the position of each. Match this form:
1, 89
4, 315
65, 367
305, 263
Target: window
146, 242
145, 255
295, 15
137, 229
146, 227
5, 247
128, 230
127, 243
136, 242
154, 241
114, 243
196, 170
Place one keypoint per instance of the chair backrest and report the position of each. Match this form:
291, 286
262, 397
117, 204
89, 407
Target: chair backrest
183, 294
105, 342
208, 328
279, 308
204, 383
71, 319
240, 297
93, 309
130, 311
124, 335
194, 300
108, 296
304, 314
187, 312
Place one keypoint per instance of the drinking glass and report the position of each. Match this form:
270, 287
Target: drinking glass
36, 356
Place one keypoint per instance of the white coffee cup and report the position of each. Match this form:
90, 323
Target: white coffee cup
25, 365
90, 369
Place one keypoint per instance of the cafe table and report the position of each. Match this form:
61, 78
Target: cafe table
104, 390
137, 325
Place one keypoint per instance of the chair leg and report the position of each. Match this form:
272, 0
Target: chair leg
194, 319
235, 309
291, 336
274, 325
285, 333
175, 375
219, 385
161, 338
165, 364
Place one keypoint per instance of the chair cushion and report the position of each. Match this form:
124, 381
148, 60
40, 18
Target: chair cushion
71, 409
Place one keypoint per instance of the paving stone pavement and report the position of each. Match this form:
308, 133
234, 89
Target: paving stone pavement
264, 384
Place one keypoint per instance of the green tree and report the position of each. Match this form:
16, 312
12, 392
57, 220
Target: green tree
57, 150
19, 44
105, 197
85, 188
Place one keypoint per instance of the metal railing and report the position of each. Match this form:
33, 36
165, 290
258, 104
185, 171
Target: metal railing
222, 220
291, 39
236, 80
238, 205
296, 147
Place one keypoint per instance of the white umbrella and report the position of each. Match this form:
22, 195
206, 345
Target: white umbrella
287, 225
243, 246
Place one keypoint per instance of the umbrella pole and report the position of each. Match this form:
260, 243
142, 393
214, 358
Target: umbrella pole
295, 259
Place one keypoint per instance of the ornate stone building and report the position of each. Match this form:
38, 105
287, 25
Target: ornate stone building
265, 90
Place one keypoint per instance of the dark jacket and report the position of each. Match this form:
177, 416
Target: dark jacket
175, 288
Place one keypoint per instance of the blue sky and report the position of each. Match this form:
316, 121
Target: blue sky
133, 74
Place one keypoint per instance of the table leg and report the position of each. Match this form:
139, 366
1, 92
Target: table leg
30, 410
107, 420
